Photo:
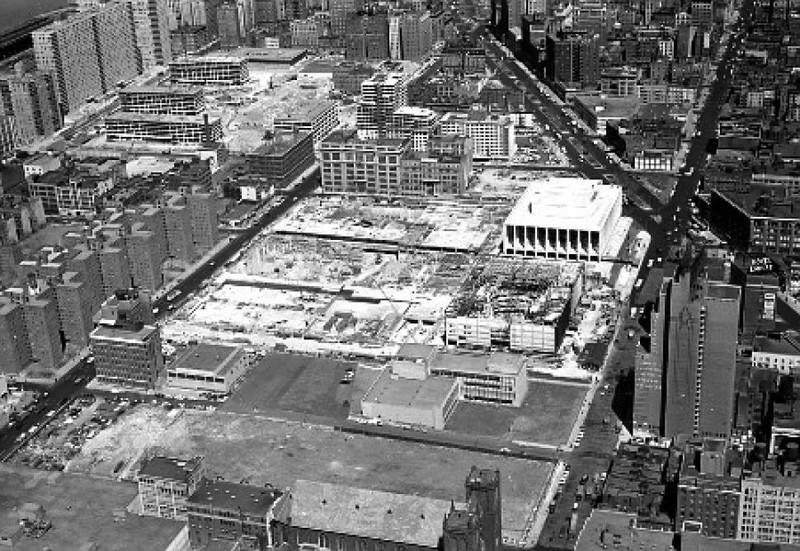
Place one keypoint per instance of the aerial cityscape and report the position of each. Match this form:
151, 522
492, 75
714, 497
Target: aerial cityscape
400, 275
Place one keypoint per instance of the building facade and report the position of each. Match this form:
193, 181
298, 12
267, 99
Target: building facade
165, 483
493, 136
89, 53
209, 71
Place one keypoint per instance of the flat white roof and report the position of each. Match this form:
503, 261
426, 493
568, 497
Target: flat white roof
565, 203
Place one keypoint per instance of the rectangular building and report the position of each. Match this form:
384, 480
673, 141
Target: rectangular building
127, 355
569, 218
32, 99
15, 347
205, 223
208, 367
318, 118
88, 53
493, 136
165, 483
381, 95
353, 165
209, 71
162, 100
424, 401
281, 160
225, 512
416, 123
176, 129
498, 378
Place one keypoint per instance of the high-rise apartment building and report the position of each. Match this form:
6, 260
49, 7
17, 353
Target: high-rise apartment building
693, 353
88, 53
8, 141
178, 225
15, 349
32, 100
152, 20
75, 308
114, 270
144, 257
381, 95
42, 322
205, 223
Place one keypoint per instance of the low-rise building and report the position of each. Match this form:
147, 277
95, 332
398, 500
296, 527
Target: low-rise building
493, 136
177, 129
225, 512
282, 159
209, 71
781, 354
499, 378
318, 119
208, 367
162, 100
353, 165
568, 218
166, 482
405, 394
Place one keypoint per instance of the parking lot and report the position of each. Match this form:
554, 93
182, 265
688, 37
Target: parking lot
54, 442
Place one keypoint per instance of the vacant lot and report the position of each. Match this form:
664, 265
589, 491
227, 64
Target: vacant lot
546, 416
252, 448
83, 510
292, 383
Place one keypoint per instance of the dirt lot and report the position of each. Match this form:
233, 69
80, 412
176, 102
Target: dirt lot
259, 450
299, 384
546, 416
83, 510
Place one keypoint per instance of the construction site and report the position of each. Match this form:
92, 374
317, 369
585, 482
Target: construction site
515, 304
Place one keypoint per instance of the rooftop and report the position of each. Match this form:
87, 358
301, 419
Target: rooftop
426, 393
371, 514
611, 529
174, 89
501, 363
568, 203
170, 467
724, 291
133, 335
609, 107
213, 358
477, 116
178, 119
759, 204
782, 345
350, 136
242, 498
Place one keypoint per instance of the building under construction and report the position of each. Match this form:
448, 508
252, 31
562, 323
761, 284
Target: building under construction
520, 305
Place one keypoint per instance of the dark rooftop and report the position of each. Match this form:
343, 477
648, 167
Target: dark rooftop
252, 500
